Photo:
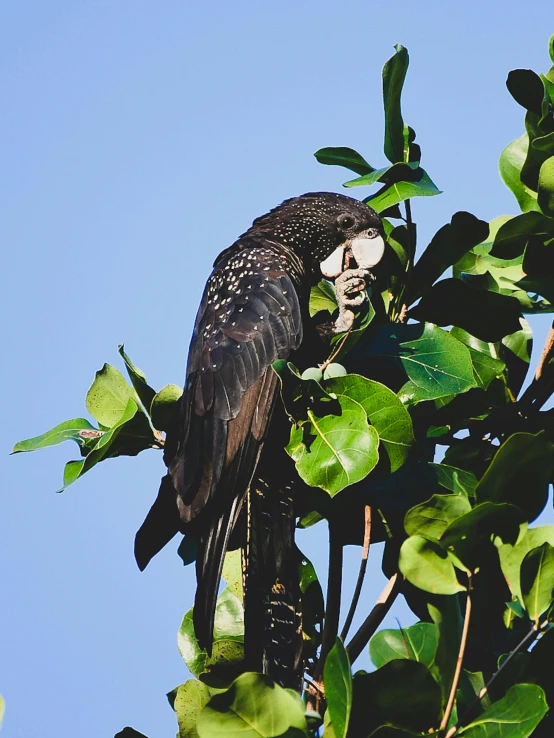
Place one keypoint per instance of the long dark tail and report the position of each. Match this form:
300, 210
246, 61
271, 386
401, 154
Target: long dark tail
273, 619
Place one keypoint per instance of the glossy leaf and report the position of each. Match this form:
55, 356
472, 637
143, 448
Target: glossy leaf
394, 74
527, 89
191, 698
392, 194
537, 580
400, 172
437, 365
164, 406
417, 643
323, 297
342, 156
232, 572
138, 380
78, 430
486, 315
524, 463
511, 163
108, 396
254, 706
512, 556
447, 247
334, 451
105, 446
338, 688
514, 234
401, 693
228, 651
458, 481
386, 414
546, 187
431, 518
427, 566
514, 716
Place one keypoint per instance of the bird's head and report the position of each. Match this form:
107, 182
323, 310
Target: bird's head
329, 232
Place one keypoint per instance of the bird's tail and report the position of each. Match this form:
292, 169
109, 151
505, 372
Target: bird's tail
273, 618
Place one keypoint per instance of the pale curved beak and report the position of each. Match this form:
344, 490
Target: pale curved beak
366, 251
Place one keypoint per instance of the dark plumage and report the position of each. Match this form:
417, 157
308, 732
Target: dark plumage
229, 435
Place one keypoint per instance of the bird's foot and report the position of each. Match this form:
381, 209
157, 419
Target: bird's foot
350, 286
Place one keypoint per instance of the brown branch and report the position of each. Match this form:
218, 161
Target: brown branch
546, 353
458, 671
361, 574
332, 604
375, 618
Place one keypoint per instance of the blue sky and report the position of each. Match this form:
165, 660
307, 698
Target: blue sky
139, 140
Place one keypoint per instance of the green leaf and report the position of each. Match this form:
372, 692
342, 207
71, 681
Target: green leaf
188, 549
164, 406
79, 430
342, 156
386, 414
436, 363
427, 566
129, 733
486, 315
138, 380
520, 473
232, 572
464, 535
323, 297
392, 194
527, 89
254, 706
546, 187
394, 74
459, 481
338, 688
484, 357
537, 580
191, 698
228, 650
513, 235
516, 715
510, 164
334, 451
2, 709
400, 172
431, 518
105, 446
402, 693
447, 247
512, 556
417, 643
108, 396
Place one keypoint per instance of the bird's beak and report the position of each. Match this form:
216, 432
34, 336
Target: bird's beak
366, 251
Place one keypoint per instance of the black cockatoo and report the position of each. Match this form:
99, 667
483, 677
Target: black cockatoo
225, 452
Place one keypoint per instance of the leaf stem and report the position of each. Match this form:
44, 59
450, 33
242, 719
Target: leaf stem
399, 315
361, 574
375, 618
458, 670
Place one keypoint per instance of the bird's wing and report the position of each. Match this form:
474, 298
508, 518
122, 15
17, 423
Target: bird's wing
249, 316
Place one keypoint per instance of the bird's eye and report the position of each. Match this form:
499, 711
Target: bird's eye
372, 232
346, 221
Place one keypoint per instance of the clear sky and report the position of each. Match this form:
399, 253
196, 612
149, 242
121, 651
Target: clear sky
138, 140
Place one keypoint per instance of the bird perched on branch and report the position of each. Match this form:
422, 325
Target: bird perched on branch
225, 453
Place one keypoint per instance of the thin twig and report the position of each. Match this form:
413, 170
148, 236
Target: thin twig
361, 574
546, 353
525, 641
375, 618
461, 652
336, 352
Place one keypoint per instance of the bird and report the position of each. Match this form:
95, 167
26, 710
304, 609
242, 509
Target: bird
228, 476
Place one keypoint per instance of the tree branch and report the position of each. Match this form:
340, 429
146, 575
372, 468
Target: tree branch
361, 574
459, 662
332, 604
375, 618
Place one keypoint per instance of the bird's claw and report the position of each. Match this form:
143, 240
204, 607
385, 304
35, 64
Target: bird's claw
349, 288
